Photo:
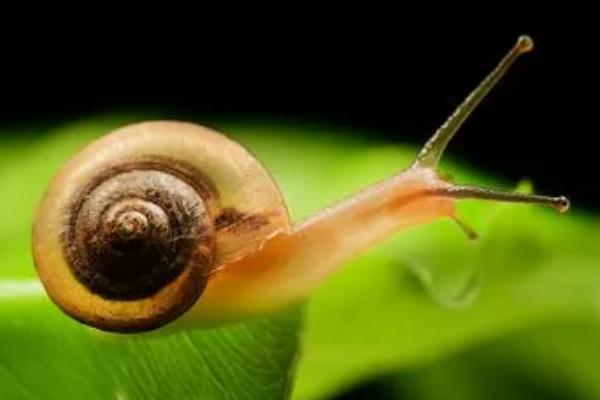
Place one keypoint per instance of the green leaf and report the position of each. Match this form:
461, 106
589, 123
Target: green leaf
44, 355
423, 296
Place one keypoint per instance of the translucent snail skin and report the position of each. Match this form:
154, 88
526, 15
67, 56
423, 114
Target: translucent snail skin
159, 219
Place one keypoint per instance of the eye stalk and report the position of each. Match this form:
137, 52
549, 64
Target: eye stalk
432, 152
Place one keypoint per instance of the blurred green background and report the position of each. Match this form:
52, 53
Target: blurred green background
427, 315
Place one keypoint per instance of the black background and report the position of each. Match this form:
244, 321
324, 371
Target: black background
387, 73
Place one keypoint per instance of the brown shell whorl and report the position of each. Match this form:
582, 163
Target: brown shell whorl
136, 227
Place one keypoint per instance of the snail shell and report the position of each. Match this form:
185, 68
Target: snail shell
131, 229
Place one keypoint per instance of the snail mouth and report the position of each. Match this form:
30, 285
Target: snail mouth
135, 228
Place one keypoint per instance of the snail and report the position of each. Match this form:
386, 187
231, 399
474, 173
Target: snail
160, 219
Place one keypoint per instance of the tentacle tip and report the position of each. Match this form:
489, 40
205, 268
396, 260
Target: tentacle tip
524, 44
467, 230
562, 204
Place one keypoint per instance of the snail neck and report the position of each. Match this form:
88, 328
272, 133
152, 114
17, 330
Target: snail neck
291, 264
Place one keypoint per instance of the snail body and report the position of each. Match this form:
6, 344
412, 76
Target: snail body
163, 218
